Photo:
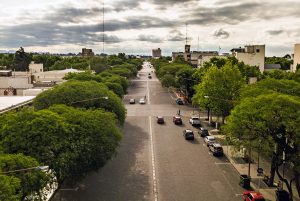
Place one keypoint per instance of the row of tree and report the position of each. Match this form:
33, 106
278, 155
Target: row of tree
73, 128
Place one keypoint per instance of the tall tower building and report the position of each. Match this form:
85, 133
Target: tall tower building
296, 57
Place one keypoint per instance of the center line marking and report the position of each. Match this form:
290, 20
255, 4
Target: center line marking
148, 91
153, 161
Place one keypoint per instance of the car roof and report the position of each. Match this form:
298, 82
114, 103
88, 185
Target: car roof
210, 137
177, 116
217, 145
188, 130
160, 117
255, 194
203, 129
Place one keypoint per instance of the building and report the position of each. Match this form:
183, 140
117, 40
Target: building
87, 52
13, 83
36, 68
193, 56
253, 55
14, 102
156, 53
54, 75
296, 57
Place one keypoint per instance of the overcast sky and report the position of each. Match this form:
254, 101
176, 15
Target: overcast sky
136, 27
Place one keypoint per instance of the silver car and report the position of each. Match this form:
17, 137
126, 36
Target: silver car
209, 140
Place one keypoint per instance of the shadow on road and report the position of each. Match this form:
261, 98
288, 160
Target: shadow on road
122, 178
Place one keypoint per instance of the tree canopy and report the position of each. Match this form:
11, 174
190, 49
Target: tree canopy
89, 94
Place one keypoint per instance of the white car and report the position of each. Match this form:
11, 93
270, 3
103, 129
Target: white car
142, 101
195, 121
209, 140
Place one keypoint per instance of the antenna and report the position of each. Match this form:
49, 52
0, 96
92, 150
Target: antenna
186, 33
198, 44
103, 28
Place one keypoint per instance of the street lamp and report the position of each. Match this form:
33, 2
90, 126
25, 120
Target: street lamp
90, 99
37, 168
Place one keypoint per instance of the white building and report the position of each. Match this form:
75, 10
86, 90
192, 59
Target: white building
13, 83
54, 75
296, 57
36, 68
253, 55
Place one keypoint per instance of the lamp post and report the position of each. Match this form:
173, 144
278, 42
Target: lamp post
37, 168
90, 99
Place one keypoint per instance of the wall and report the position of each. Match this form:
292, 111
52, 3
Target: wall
253, 58
296, 56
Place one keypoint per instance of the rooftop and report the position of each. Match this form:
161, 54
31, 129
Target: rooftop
10, 102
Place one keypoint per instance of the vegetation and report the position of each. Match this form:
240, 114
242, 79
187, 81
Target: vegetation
16, 186
284, 62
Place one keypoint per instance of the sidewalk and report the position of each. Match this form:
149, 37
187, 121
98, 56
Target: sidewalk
241, 166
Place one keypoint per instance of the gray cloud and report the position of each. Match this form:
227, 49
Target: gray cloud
275, 32
150, 38
221, 34
125, 5
175, 35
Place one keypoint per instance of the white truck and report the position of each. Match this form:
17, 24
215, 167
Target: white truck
195, 121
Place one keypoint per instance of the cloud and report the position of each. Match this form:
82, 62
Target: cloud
125, 5
150, 38
275, 32
221, 34
175, 35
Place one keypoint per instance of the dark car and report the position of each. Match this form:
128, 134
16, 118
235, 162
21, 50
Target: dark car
177, 120
160, 120
203, 132
149, 76
188, 134
179, 101
216, 149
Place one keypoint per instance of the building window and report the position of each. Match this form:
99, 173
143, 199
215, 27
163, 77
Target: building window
257, 50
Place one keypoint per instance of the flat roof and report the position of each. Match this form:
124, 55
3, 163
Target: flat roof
10, 102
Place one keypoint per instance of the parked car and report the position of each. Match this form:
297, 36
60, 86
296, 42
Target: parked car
160, 120
195, 121
216, 149
188, 134
177, 120
253, 196
149, 76
132, 101
179, 101
203, 132
142, 101
209, 140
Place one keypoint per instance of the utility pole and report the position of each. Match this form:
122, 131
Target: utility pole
103, 28
186, 38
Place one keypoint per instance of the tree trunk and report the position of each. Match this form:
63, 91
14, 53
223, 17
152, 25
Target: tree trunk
273, 170
297, 181
208, 113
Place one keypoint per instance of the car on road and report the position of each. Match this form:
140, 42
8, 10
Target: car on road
149, 76
195, 121
209, 140
177, 120
132, 101
179, 101
188, 134
142, 101
160, 119
216, 149
203, 132
253, 196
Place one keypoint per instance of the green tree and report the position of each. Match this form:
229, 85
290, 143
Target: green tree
21, 60
168, 81
269, 119
219, 89
23, 183
89, 94
71, 141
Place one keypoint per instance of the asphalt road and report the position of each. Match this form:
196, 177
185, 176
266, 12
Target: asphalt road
155, 162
